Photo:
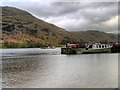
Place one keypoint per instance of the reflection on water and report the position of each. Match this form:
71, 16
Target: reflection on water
27, 70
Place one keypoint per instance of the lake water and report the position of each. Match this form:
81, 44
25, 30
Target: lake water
47, 68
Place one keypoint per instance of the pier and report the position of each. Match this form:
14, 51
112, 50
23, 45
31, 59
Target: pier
68, 51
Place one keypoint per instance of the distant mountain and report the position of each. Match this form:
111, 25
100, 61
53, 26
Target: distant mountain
21, 29
95, 36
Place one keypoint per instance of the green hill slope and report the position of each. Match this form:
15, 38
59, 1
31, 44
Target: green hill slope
21, 27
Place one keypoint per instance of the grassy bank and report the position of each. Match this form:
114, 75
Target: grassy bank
24, 45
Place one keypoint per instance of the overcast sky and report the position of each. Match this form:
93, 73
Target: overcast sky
74, 16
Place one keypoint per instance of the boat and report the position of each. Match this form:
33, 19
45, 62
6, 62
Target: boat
95, 48
86, 48
48, 47
116, 47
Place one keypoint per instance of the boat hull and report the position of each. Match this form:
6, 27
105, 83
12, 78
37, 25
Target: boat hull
92, 51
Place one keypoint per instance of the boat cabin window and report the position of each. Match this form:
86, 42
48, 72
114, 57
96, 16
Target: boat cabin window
105, 46
99, 46
102, 46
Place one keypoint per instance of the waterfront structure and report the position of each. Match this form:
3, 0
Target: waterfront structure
88, 48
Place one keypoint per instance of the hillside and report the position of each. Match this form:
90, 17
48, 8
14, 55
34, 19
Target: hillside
95, 36
22, 29
19, 26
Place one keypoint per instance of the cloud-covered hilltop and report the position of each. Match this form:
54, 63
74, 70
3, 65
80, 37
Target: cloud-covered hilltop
22, 29
75, 16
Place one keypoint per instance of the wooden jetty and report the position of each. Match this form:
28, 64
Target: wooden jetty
68, 51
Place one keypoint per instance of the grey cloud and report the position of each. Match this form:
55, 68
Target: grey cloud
75, 15
53, 9
66, 7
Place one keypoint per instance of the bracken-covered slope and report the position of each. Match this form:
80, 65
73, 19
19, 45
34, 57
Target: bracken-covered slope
21, 29
19, 26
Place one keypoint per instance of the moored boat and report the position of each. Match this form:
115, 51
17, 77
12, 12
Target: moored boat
48, 47
86, 49
96, 48
116, 47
